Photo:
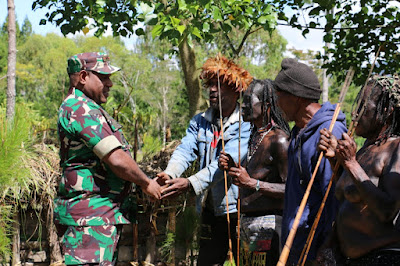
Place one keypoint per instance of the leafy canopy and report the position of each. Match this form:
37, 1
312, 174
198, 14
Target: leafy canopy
172, 20
356, 29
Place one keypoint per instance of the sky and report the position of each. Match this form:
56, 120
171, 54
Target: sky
23, 9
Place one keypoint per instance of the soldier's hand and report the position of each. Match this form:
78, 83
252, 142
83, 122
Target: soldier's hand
327, 143
152, 189
176, 187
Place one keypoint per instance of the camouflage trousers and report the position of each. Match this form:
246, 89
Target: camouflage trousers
84, 245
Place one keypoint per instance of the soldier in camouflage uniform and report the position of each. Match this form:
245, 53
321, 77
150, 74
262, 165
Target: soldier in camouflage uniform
98, 170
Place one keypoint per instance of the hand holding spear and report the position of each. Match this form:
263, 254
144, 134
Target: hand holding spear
289, 241
359, 111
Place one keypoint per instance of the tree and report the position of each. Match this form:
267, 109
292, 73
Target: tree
12, 60
26, 29
356, 29
181, 22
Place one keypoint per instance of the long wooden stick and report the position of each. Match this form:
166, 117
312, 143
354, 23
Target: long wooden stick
238, 201
289, 241
225, 175
307, 246
352, 127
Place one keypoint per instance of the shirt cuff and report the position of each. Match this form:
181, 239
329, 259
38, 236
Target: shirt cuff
106, 145
196, 185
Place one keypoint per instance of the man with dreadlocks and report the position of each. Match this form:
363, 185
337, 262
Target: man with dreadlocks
262, 182
203, 141
367, 224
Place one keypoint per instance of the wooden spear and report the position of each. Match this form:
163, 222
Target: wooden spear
225, 175
289, 241
238, 201
353, 125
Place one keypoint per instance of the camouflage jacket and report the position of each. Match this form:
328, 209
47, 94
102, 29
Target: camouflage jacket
89, 192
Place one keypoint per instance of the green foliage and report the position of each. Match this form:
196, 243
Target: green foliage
14, 139
186, 224
355, 29
263, 53
228, 263
201, 20
14, 174
172, 20
26, 29
72, 16
151, 145
166, 247
5, 232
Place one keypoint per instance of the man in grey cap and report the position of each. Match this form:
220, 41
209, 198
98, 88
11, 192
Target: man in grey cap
97, 168
298, 92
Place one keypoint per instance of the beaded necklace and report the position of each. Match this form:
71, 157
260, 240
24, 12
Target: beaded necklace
253, 146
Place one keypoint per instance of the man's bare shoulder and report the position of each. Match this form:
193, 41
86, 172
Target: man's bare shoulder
279, 136
277, 141
389, 148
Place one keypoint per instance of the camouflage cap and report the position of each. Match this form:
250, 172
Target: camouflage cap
94, 61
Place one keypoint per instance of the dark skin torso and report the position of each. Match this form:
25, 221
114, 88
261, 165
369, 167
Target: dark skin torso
369, 195
269, 165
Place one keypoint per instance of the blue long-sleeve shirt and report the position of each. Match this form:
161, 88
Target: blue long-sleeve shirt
302, 158
197, 145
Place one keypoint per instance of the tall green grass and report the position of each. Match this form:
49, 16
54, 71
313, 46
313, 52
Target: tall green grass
14, 173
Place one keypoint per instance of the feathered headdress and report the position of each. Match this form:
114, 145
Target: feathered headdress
231, 73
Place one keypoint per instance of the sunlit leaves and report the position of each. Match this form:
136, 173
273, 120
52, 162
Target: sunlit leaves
172, 20
355, 31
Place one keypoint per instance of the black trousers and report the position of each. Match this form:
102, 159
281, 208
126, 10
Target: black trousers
214, 239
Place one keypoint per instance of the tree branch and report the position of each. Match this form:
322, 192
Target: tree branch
342, 28
229, 40
248, 32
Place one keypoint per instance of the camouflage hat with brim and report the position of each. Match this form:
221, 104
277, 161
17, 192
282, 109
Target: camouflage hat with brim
94, 61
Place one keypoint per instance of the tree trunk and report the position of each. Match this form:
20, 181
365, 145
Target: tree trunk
52, 237
12, 61
188, 64
16, 246
135, 243
164, 111
135, 140
172, 228
325, 80
325, 87
151, 245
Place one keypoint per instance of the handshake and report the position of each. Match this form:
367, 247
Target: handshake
163, 186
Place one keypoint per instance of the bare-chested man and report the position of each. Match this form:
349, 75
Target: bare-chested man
369, 187
262, 181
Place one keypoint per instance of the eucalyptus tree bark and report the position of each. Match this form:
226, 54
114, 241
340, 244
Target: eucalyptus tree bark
12, 61
192, 81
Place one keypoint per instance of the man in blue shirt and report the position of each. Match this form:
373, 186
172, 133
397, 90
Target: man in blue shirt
203, 141
298, 92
